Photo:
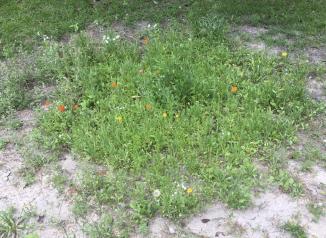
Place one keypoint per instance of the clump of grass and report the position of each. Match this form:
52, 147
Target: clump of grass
59, 181
307, 165
102, 228
3, 144
317, 210
295, 229
283, 178
287, 183
9, 225
21, 30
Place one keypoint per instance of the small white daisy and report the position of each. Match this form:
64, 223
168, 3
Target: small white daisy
156, 193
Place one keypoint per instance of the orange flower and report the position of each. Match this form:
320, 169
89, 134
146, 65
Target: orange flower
148, 107
145, 40
61, 108
165, 114
75, 107
234, 88
114, 84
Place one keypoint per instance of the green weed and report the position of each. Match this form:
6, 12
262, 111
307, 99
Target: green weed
282, 177
10, 226
287, 183
317, 210
295, 230
3, 144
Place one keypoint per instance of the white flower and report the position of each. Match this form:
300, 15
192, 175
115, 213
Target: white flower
45, 38
116, 37
106, 39
183, 186
156, 193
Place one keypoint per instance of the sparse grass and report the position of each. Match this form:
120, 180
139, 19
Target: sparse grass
35, 157
102, 228
313, 154
317, 210
295, 155
3, 144
282, 177
19, 77
295, 229
21, 30
287, 183
307, 165
60, 181
80, 207
300, 20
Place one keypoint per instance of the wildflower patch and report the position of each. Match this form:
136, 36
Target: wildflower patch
176, 122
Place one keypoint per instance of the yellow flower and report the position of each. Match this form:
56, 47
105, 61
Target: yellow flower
148, 107
189, 190
119, 119
165, 115
284, 54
